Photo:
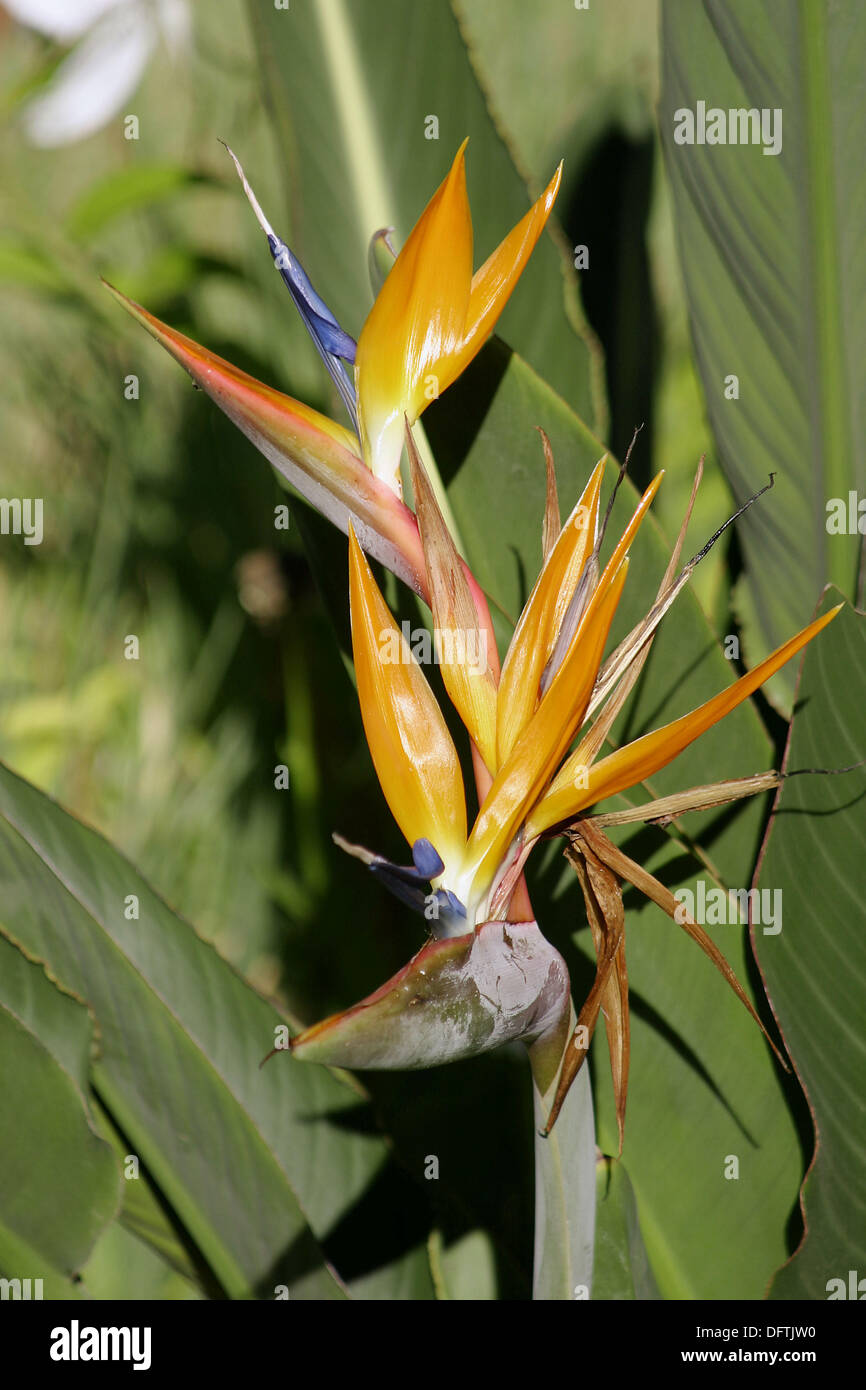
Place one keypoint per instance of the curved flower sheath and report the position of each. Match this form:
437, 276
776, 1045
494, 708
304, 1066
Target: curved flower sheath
486, 976
458, 997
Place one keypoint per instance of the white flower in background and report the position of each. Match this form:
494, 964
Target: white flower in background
114, 39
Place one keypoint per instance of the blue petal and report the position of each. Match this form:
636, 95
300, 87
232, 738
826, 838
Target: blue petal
337, 342
454, 903
395, 883
426, 860
333, 344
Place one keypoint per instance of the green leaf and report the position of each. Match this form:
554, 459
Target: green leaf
595, 68
59, 1182
350, 121
770, 247
258, 1164
121, 1267
475, 1119
143, 1214
703, 1087
466, 1270
815, 967
622, 1270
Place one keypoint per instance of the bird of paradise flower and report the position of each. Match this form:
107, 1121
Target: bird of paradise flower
537, 726
487, 975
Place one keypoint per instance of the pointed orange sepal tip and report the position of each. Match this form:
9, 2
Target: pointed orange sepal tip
540, 748
536, 630
638, 760
416, 323
413, 753
494, 281
625, 542
584, 518
318, 456
233, 389
566, 642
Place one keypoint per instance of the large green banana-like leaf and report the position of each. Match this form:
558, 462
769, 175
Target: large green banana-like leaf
815, 968
143, 1215
770, 245
355, 91
59, 1182
597, 68
259, 1165
622, 1269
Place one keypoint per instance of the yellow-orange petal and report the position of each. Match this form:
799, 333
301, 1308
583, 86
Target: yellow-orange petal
417, 321
413, 753
568, 633
494, 281
544, 741
539, 622
571, 792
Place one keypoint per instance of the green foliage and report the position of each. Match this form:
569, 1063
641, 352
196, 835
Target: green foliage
769, 245
621, 1271
181, 1037
815, 968
59, 1185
